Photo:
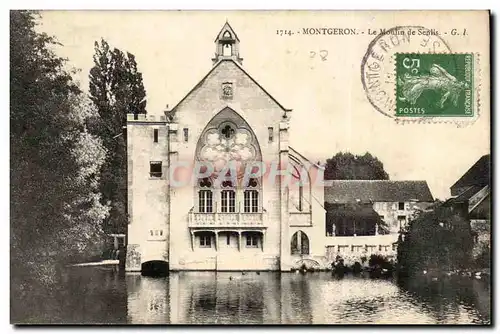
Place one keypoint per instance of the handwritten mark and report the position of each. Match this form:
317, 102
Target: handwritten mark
323, 54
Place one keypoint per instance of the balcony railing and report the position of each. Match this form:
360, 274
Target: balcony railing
226, 219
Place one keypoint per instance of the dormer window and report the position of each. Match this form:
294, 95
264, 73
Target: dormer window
227, 34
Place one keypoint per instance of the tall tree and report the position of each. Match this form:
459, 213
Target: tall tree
53, 209
116, 88
347, 166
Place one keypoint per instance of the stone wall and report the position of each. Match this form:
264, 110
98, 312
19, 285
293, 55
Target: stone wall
147, 196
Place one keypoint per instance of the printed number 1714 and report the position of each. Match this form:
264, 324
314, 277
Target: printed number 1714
281, 32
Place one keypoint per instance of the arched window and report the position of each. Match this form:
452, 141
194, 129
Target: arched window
251, 196
300, 243
205, 196
227, 138
227, 50
228, 144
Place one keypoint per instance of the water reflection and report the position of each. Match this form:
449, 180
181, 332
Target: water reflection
148, 301
453, 300
108, 296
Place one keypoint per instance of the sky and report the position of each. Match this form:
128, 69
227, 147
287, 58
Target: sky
331, 112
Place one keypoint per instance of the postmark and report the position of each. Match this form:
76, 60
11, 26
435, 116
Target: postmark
379, 76
430, 85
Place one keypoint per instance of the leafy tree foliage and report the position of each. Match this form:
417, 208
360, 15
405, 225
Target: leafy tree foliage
55, 210
116, 88
438, 238
347, 166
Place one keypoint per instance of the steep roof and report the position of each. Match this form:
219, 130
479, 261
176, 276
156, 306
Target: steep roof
482, 210
213, 68
226, 26
477, 175
467, 194
350, 191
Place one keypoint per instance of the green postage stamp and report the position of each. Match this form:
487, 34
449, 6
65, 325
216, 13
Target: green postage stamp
435, 85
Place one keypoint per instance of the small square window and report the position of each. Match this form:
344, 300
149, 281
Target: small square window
186, 134
155, 135
155, 169
205, 240
271, 133
401, 205
252, 240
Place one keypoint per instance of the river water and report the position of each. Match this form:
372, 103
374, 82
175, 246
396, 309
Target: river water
105, 295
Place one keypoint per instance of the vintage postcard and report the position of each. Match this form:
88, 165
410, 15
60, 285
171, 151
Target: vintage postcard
250, 167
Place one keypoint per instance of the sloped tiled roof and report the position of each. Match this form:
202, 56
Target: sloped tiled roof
477, 175
482, 210
467, 194
350, 191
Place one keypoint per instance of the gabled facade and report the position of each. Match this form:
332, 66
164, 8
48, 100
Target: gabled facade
228, 218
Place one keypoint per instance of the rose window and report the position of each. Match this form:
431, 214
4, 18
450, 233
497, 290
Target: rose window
227, 145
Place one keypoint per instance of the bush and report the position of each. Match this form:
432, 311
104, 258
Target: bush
437, 239
381, 261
